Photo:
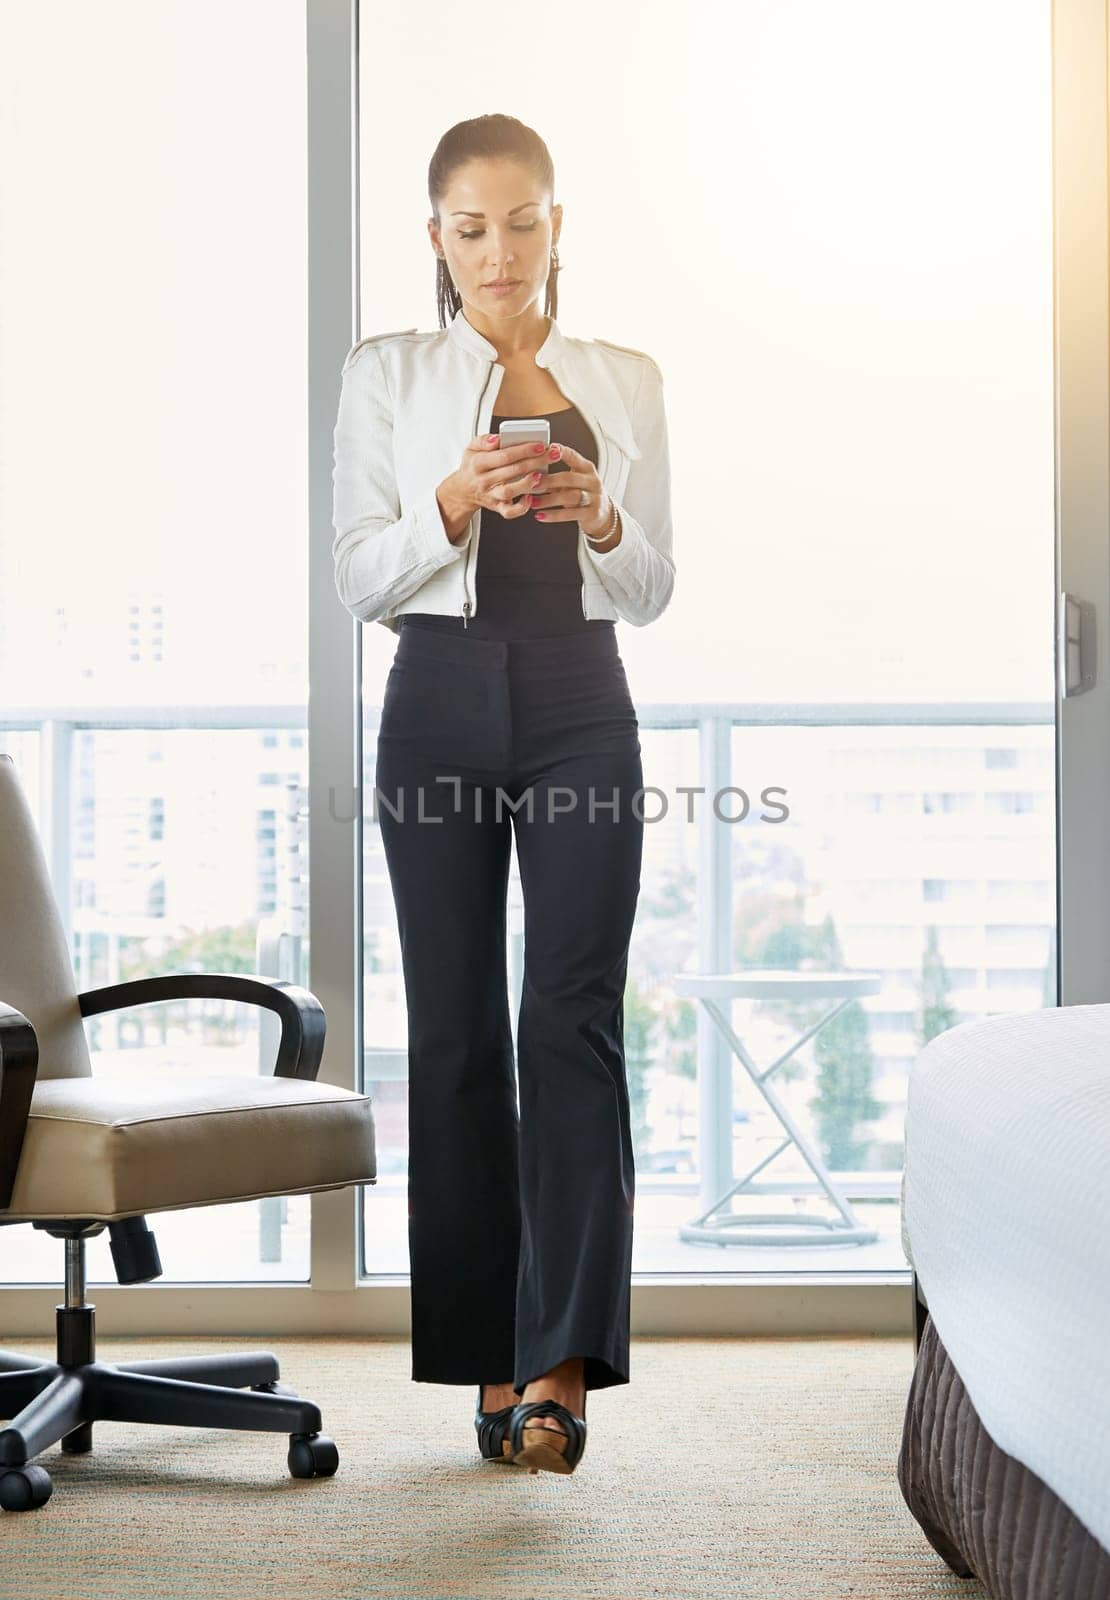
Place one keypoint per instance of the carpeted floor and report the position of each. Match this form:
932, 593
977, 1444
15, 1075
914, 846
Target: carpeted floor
729, 1469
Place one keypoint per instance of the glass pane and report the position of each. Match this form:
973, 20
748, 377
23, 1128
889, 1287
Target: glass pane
153, 644
850, 297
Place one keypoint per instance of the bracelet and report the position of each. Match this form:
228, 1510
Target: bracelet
600, 538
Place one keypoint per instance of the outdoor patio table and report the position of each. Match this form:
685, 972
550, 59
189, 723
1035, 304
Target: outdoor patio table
715, 991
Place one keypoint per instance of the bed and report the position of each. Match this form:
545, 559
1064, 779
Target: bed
1005, 1452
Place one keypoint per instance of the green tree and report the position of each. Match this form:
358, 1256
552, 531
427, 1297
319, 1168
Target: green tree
936, 1014
224, 949
679, 1027
790, 946
639, 1028
845, 1069
230, 948
768, 927
673, 897
787, 946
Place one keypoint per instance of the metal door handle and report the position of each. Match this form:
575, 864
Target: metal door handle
1075, 646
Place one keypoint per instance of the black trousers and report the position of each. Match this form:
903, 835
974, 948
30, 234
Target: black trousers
520, 1210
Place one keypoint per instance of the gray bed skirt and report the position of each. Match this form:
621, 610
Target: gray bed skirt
984, 1512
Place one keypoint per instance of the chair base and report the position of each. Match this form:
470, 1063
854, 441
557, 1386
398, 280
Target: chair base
58, 1401
51, 1402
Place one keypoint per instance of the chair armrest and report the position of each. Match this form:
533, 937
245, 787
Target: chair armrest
19, 1065
302, 1016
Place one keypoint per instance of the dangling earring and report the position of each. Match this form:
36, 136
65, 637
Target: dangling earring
551, 298
448, 298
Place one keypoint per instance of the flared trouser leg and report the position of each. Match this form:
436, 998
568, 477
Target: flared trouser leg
450, 877
577, 1171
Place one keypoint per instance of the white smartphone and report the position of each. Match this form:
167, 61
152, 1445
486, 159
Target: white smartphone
526, 430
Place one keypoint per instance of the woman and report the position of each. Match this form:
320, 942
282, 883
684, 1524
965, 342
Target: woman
507, 708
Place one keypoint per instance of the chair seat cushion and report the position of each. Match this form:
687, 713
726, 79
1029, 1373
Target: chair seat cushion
108, 1147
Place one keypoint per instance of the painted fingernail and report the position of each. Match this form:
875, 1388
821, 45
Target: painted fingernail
537, 448
536, 476
555, 451
490, 437
541, 516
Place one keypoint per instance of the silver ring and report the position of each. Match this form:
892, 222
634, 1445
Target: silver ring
583, 497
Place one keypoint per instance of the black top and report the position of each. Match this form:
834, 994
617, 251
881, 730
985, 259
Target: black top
528, 581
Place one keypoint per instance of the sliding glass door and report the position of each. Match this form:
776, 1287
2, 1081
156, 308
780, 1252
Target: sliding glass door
832, 228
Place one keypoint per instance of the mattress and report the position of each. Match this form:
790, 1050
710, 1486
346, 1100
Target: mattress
1006, 1220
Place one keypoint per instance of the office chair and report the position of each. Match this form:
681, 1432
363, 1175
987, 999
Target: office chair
81, 1152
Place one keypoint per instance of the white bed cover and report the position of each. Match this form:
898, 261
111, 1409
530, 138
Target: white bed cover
1006, 1220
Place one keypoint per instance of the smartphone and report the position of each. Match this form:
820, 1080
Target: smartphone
526, 430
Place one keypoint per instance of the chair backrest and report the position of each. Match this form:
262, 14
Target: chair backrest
36, 973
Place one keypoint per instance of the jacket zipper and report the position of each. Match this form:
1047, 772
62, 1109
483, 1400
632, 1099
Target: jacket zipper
466, 568
473, 540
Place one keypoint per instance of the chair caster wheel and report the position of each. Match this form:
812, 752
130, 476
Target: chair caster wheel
273, 1387
24, 1488
312, 1455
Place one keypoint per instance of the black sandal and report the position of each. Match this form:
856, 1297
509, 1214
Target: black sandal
534, 1448
493, 1432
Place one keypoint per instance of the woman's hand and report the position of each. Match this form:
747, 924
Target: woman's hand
561, 501
489, 476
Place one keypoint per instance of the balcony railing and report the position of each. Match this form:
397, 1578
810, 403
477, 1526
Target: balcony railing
715, 724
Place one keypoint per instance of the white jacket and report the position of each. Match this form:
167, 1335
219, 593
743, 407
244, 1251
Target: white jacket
409, 404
